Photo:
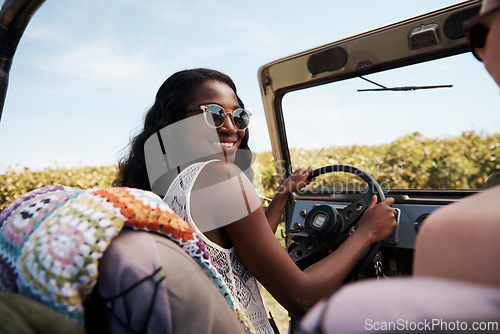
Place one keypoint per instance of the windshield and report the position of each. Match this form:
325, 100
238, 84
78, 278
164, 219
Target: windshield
433, 125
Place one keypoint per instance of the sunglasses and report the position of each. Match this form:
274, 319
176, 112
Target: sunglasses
215, 116
477, 31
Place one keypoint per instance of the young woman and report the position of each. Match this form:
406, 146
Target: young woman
201, 126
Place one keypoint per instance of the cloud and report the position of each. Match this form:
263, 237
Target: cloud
95, 60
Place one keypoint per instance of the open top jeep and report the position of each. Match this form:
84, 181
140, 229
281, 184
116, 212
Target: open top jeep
402, 105
402, 111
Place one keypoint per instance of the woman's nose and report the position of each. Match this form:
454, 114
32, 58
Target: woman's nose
229, 125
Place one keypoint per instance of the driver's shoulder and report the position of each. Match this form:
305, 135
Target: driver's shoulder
216, 172
223, 192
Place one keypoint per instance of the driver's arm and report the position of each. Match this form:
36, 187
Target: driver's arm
234, 207
298, 290
266, 259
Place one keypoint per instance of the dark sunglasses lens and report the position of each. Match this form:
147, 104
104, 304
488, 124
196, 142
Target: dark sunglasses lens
215, 116
477, 40
241, 119
477, 36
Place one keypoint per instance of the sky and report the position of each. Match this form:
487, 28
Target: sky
85, 72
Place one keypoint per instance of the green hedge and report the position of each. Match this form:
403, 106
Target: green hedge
14, 182
417, 162
412, 161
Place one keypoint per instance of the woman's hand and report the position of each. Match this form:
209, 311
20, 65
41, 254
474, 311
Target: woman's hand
378, 221
296, 181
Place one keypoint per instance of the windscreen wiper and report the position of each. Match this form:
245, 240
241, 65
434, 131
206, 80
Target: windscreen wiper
399, 89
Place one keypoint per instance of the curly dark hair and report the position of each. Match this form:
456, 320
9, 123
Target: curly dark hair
169, 107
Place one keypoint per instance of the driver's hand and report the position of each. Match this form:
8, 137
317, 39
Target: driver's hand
297, 180
378, 221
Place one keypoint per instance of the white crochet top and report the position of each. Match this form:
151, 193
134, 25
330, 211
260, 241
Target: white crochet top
242, 285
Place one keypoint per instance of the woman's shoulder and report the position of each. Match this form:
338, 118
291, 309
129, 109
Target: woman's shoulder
219, 165
216, 172
224, 192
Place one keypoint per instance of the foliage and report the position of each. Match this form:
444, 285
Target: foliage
412, 161
14, 182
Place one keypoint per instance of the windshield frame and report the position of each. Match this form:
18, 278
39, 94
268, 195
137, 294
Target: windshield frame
374, 51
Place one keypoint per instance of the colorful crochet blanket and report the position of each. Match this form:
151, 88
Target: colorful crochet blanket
51, 240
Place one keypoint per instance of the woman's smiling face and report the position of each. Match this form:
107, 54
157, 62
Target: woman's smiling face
225, 140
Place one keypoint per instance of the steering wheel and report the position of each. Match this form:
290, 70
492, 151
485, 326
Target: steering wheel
328, 227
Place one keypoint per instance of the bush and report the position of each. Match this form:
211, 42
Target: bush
14, 183
412, 161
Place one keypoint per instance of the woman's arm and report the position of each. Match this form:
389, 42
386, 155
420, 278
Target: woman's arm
263, 255
294, 182
298, 290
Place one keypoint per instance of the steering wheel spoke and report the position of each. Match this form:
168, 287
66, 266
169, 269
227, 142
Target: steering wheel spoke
352, 213
305, 249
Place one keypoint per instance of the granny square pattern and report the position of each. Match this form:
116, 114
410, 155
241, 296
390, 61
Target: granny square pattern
51, 240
